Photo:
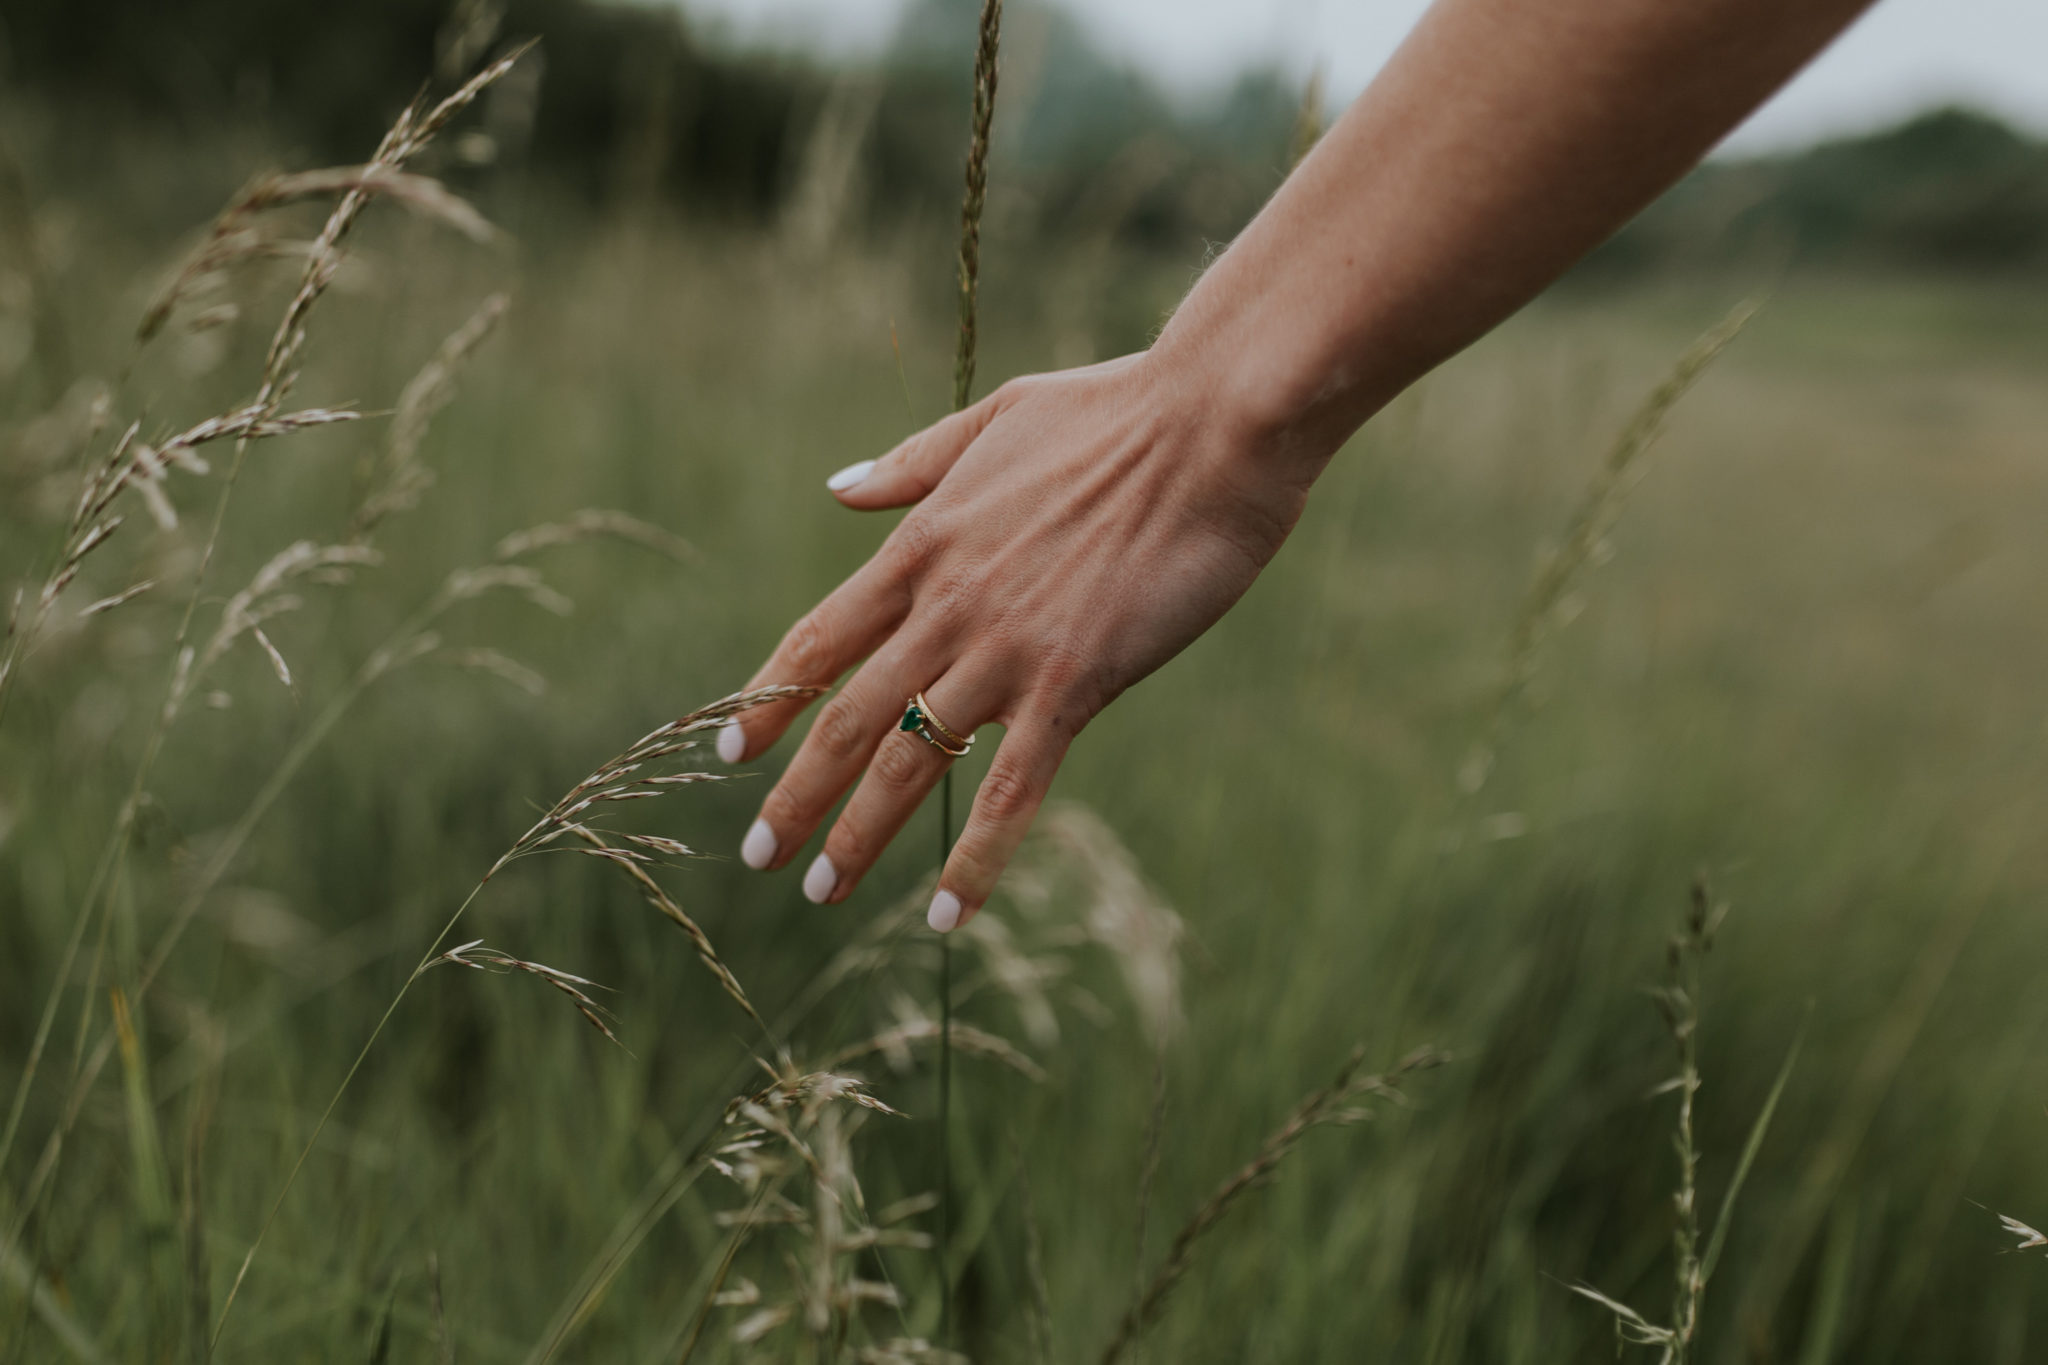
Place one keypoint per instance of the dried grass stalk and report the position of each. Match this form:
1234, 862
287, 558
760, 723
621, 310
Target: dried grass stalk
897, 1041
909, 1351
977, 195
409, 136
971, 204
655, 896
128, 594
1334, 1103
527, 680
233, 238
464, 584
264, 598
622, 779
1125, 914
479, 958
590, 524
399, 478
140, 467
1678, 999
812, 1117
1547, 606
2030, 1239
827, 175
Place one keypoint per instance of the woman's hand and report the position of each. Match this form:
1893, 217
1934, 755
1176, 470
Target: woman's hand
1072, 532
1075, 531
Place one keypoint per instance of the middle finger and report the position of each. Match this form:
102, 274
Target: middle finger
905, 769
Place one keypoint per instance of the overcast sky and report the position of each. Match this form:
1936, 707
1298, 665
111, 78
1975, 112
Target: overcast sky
1903, 56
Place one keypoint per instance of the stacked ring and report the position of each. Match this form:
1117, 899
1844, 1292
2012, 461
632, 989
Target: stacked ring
919, 720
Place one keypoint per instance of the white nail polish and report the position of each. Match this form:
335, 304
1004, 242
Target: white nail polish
732, 742
757, 850
945, 912
851, 476
821, 880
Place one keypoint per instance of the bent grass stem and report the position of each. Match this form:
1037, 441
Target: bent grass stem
407, 137
971, 205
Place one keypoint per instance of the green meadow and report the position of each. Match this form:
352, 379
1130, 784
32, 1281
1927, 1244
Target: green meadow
1805, 665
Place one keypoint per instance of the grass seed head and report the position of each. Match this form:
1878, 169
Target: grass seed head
593, 523
479, 958
2030, 1239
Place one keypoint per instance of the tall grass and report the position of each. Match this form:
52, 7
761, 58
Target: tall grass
975, 198
1691, 1265
736, 1176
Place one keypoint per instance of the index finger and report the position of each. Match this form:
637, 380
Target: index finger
850, 624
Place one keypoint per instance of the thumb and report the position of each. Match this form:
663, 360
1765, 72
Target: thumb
913, 469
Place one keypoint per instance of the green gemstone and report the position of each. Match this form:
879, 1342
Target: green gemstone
912, 719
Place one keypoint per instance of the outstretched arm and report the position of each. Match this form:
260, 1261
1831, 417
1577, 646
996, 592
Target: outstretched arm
1074, 531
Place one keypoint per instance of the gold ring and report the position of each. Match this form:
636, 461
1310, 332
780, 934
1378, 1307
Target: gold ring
919, 720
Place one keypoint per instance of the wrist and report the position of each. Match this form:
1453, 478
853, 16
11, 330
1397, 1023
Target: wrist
1263, 368
1239, 467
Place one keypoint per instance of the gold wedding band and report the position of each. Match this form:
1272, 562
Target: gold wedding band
919, 720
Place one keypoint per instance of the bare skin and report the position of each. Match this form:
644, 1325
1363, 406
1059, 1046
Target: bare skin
1074, 531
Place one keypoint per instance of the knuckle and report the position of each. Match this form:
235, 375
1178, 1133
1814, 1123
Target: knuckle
973, 868
785, 811
915, 545
1061, 670
911, 456
945, 595
806, 649
1006, 795
957, 430
1011, 391
899, 767
851, 850
839, 731
1074, 684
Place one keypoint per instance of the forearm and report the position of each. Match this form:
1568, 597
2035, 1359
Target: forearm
1502, 142
1072, 532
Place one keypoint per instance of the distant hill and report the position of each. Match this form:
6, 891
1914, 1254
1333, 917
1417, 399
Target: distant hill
1950, 190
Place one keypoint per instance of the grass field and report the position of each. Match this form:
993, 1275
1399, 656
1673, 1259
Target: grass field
1811, 667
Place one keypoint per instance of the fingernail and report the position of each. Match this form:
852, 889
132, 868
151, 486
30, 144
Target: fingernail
850, 476
732, 742
945, 912
820, 881
757, 850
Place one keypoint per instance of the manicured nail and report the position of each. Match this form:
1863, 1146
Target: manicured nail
850, 476
757, 850
945, 912
820, 881
732, 742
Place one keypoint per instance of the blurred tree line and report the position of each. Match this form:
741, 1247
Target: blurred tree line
1950, 190
632, 102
